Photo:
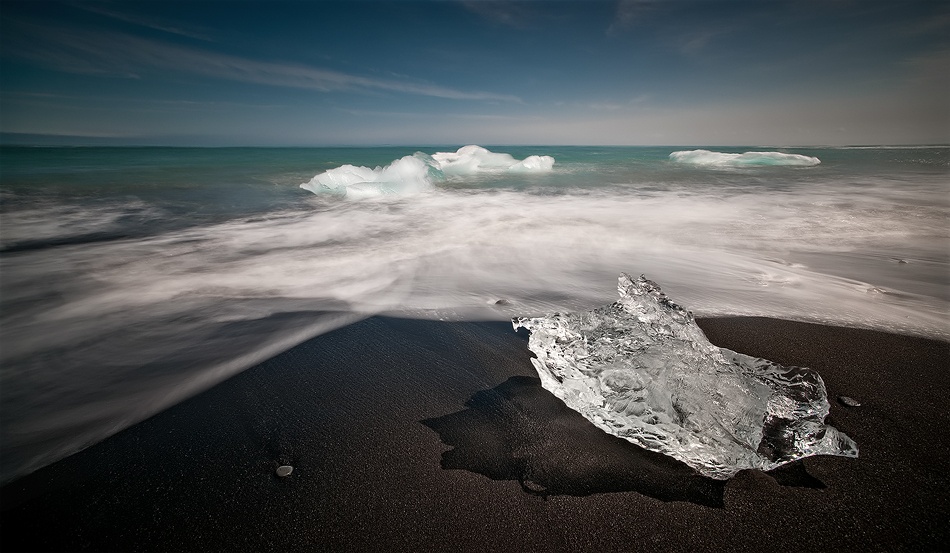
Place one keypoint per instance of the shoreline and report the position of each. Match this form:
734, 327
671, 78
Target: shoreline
424, 435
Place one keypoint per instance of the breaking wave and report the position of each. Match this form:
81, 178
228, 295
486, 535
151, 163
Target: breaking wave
747, 159
418, 172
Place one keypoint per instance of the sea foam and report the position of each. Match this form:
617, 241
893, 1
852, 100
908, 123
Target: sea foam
415, 173
747, 159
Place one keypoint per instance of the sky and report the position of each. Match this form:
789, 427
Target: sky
627, 72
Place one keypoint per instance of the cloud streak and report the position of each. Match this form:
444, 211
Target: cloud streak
123, 55
630, 13
509, 14
155, 24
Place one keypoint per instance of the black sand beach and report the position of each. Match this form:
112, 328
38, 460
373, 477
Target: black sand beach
434, 436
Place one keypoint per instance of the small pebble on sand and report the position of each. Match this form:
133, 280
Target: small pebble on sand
849, 401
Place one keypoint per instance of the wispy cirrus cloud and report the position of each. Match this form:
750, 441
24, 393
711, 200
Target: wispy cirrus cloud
148, 22
109, 53
630, 13
617, 106
692, 44
509, 14
82, 101
425, 115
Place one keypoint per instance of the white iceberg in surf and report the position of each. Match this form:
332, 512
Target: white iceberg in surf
470, 160
406, 175
747, 159
641, 369
533, 164
418, 172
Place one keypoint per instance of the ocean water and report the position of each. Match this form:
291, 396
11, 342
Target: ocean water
132, 278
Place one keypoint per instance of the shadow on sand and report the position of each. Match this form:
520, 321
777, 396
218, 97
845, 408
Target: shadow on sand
520, 431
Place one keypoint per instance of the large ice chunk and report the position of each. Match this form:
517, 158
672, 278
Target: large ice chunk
642, 369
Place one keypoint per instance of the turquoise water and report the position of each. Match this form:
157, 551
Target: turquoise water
131, 278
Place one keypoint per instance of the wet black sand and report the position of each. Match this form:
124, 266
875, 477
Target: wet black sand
434, 436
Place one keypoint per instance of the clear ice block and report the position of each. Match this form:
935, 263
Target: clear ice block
641, 369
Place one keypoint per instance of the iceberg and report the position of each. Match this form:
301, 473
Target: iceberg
641, 369
409, 174
747, 159
418, 172
471, 159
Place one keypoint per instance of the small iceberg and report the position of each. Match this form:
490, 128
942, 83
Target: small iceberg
747, 159
471, 160
407, 175
641, 369
418, 172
